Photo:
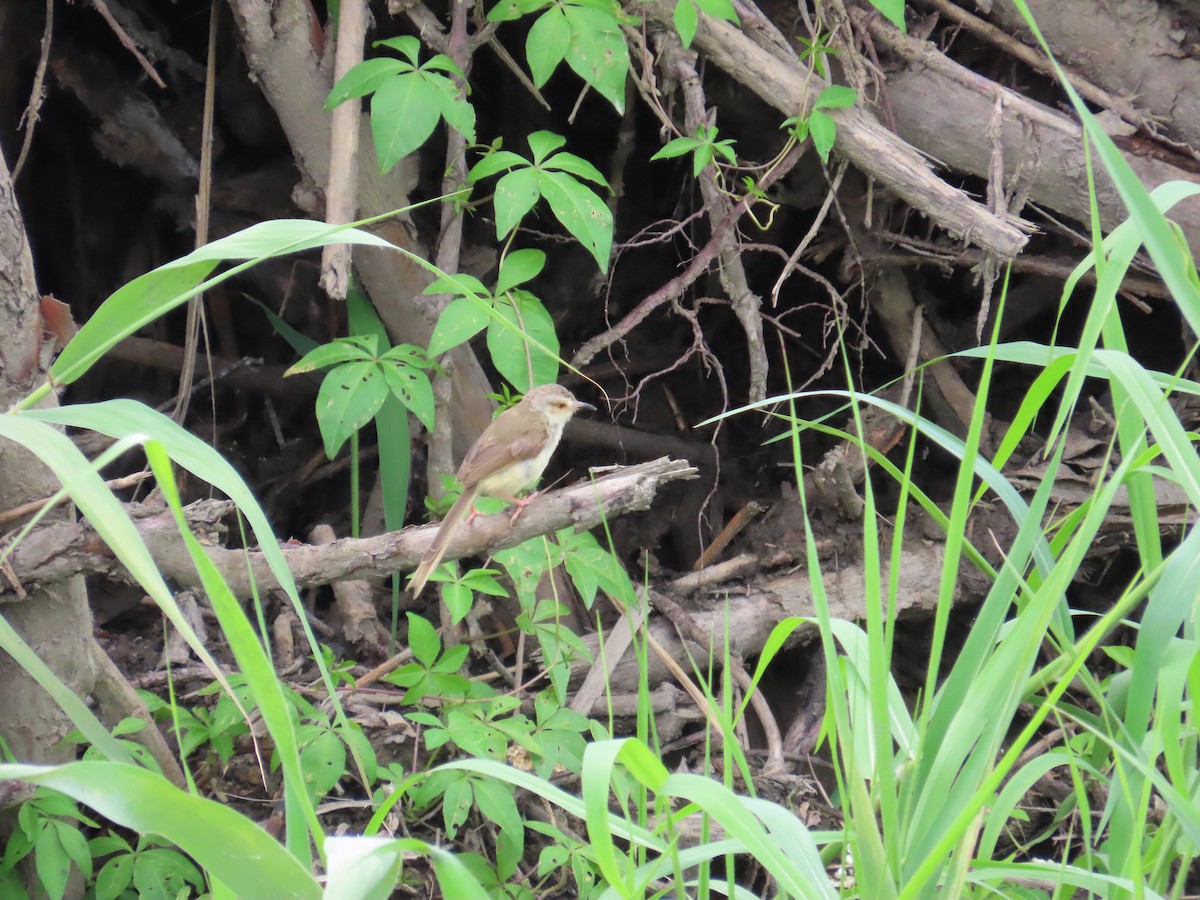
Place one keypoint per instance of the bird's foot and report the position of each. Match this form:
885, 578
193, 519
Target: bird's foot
520, 505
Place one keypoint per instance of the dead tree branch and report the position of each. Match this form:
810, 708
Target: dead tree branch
50, 554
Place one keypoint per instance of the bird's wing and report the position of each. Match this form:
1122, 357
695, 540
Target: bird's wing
508, 440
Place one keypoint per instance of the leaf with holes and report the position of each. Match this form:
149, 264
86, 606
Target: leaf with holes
597, 52
581, 212
410, 386
349, 397
360, 348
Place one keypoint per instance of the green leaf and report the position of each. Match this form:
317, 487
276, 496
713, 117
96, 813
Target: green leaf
408, 355
343, 350
446, 64
484, 581
363, 79
725, 148
404, 112
349, 397
519, 267
835, 95
581, 168
460, 321
367, 868
822, 129
581, 212
114, 876
76, 847
516, 193
456, 805
686, 19
547, 44
51, 861
411, 387
458, 112
423, 640
453, 659
591, 566
461, 284
494, 163
297, 340
719, 9
543, 143
301, 825
677, 147
150, 296
495, 801
323, 762
522, 363
392, 432
598, 53
161, 873
508, 10
798, 127
406, 45
458, 599
893, 11
230, 847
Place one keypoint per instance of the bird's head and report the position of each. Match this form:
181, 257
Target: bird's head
555, 402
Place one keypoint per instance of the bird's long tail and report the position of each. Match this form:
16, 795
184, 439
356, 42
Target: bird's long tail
450, 525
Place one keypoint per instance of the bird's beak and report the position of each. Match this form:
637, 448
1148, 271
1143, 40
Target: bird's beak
579, 404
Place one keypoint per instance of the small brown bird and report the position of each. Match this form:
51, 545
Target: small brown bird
507, 458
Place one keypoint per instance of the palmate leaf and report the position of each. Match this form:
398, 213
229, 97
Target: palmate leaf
458, 113
577, 166
344, 350
597, 52
412, 387
543, 143
349, 397
516, 193
460, 321
686, 18
363, 79
547, 44
519, 267
404, 112
581, 212
519, 360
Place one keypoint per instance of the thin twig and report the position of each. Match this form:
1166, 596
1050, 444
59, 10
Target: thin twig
127, 42
196, 322
37, 94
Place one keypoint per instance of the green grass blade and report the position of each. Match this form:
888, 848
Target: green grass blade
224, 843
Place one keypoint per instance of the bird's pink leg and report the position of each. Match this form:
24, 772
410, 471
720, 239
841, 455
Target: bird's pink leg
519, 502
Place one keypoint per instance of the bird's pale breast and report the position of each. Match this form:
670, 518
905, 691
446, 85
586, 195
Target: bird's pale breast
517, 477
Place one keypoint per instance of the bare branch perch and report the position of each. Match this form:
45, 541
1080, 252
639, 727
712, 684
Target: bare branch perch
56, 552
